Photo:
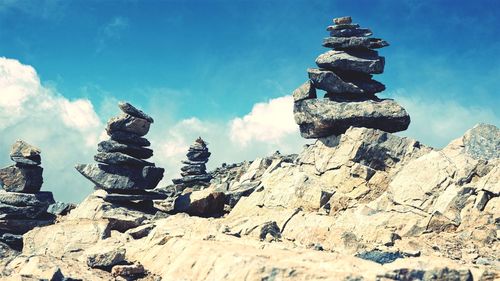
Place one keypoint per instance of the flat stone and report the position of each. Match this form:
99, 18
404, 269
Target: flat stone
118, 177
118, 158
30, 212
304, 92
354, 43
321, 118
342, 20
351, 32
342, 26
332, 83
33, 161
366, 61
21, 226
147, 196
60, 208
21, 179
193, 171
127, 270
39, 199
128, 123
189, 162
193, 179
129, 149
133, 111
194, 168
129, 138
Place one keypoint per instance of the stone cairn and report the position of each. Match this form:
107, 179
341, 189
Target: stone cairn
194, 171
345, 74
22, 205
122, 171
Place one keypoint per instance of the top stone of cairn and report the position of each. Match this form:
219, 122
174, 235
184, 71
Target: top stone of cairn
342, 20
133, 111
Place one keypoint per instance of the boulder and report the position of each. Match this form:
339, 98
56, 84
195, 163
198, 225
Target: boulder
482, 142
104, 258
322, 118
21, 179
130, 149
366, 61
332, 83
304, 92
129, 138
341, 43
118, 158
128, 123
112, 177
204, 203
133, 111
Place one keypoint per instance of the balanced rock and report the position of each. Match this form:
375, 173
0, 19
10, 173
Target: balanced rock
128, 123
24, 153
194, 170
345, 74
21, 178
131, 110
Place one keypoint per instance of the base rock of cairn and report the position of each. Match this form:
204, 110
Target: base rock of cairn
345, 74
122, 170
22, 205
194, 171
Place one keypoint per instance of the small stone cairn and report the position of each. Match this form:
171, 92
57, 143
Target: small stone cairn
122, 171
22, 205
345, 74
194, 171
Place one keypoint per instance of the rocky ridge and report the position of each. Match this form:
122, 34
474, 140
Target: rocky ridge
345, 74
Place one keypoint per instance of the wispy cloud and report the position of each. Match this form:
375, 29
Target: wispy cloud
44, 9
111, 31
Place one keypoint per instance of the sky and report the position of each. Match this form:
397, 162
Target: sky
224, 70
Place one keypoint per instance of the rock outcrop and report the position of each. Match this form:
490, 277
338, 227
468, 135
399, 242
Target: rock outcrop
123, 174
22, 205
345, 74
194, 172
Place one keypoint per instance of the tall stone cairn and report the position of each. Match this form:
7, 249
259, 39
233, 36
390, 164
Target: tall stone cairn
345, 74
194, 171
22, 205
122, 170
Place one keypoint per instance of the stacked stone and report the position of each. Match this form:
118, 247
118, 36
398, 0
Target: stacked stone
22, 205
345, 74
122, 170
194, 171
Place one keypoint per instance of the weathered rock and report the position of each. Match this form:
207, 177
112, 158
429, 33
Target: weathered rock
127, 123
341, 43
118, 158
40, 199
21, 226
333, 84
35, 269
60, 208
21, 179
305, 91
20, 212
145, 196
342, 26
365, 61
127, 270
351, 32
141, 231
444, 274
105, 258
133, 111
25, 153
193, 179
129, 138
112, 177
321, 118
380, 256
132, 150
342, 20
482, 142
204, 203
15, 241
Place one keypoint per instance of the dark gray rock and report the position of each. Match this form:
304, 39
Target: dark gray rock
146, 196
144, 230
342, 20
341, 43
129, 138
106, 258
39, 199
332, 83
60, 208
351, 32
189, 162
32, 161
21, 179
118, 158
483, 142
128, 123
198, 155
366, 61
342, 26
380, 257
304, 92
129, 149
194, 168
444, 274
133, 111
193, 180
23, 149
21, 226
321, 118
15, 241
113, 177
270, 228
17, 212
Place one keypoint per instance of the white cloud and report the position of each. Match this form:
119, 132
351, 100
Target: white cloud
112, 30
67, 131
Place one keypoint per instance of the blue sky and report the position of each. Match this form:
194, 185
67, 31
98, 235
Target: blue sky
205, 64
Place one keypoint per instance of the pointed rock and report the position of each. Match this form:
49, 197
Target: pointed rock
128, 123
304, 92
133, 111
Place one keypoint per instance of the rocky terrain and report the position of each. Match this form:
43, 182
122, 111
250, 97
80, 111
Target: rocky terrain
361, 203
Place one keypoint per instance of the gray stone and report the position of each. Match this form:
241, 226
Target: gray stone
39, 199
60, 208
15, 241
304, 92
354, 43
143, 230
127, 270
342, 26
193, 179
146, 196
32, 161
128, 123
118, 158
321, 118
129, 149
133, 111
366, 61
129, 138
194, 168
111, 177
23, 149
342, 20
483, 142
106, 258
351, 32
21, 226
198, 155
21, 179
332, 83
30, 212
